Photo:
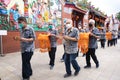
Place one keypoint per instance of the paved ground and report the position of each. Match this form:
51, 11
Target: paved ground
109, 58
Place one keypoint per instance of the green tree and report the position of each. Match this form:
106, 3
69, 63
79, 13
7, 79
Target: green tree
118, 16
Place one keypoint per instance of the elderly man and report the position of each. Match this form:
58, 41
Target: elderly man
94, 35
71, 49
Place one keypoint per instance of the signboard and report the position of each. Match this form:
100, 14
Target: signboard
68, 10
3, 32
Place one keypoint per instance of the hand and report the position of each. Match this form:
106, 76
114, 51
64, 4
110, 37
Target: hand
60, 37
66, 37
52, 35
16, 38
98, 37
91, 34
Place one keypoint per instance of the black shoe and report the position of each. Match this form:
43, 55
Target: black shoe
62, 60
26, 78
51, 67
76, 72
87, 67
97, 65
67, 75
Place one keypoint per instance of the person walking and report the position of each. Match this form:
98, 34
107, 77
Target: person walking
81, 30
27, 38
71, 49
64, 30
53, 42
94, 32
102, 37
113, 38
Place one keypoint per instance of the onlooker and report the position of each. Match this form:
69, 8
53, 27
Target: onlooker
27, 39
71, 49
92, 44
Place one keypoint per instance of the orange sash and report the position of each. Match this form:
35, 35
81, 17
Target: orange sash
83, 42
108, 35
44, 42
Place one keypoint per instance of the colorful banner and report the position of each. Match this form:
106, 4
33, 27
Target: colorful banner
26, 7
6, 1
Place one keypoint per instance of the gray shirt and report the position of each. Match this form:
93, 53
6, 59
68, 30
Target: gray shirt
28, 32
71, 47
53, 39
114, 34
103, 34
82, 30
92, 39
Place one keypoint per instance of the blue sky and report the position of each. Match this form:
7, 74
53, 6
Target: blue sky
108, 6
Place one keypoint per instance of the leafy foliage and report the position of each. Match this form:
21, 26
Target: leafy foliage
118, 16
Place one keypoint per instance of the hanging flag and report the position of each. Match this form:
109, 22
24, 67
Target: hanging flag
62, 2
6, 1
26, 7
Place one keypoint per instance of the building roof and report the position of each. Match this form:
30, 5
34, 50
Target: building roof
75, 7
97, 13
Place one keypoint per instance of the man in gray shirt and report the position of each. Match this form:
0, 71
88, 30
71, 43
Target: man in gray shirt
94, 35
102, 37
27, 39
53, 42
71, 48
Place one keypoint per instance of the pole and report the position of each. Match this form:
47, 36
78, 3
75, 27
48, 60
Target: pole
1, 49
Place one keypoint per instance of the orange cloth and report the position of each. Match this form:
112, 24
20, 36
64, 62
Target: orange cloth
83, 42
44, 42
108, 35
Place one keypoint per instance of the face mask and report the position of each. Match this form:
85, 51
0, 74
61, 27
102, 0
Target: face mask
68, 26
90, 25
50, 27
21, 26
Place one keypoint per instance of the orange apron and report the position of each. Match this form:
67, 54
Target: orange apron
44, 42
83, 42
108, 35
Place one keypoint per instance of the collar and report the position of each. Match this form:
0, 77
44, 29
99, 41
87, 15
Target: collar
70, 30
93, 27
26, 28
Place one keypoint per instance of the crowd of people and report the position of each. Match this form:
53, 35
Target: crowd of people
70, 39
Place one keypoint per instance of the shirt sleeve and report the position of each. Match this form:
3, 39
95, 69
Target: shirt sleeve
32, 34
77, 34
96, 32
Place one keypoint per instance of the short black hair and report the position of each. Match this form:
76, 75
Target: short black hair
22, 19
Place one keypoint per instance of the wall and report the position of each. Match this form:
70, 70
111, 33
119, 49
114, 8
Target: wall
10, 45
